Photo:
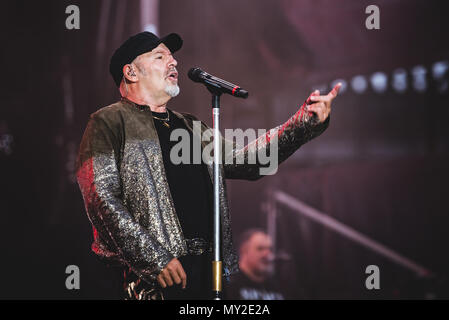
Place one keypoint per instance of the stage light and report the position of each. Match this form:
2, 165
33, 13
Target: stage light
359, 84
400, 80
379, 82
419, 78
439, 70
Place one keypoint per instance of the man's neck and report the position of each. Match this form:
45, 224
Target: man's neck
156, 104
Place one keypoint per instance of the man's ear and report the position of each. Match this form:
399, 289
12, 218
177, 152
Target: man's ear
129, 73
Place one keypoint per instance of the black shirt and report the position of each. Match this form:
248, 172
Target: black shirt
241, 287
190, 184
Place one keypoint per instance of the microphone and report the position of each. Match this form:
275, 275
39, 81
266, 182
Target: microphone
198, 75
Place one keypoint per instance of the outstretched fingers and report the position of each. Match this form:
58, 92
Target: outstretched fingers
327, 98
316, 93
334, 92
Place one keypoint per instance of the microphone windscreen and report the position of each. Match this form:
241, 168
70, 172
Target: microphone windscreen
194, 73
242, 94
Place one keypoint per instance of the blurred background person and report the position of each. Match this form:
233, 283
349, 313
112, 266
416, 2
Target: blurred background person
255, 281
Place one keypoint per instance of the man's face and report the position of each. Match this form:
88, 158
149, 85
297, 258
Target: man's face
258, 253
157, 72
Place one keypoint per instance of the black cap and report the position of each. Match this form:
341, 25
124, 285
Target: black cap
135, 46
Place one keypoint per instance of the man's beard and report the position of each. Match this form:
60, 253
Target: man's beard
172, 90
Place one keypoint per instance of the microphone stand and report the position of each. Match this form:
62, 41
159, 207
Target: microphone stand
216, 263
216, 89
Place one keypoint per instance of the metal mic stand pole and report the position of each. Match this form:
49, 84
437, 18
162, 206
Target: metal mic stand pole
216, 263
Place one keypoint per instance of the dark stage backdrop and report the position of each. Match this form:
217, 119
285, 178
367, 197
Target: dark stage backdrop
380, 168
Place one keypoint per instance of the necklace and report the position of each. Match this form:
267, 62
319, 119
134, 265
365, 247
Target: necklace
164, 120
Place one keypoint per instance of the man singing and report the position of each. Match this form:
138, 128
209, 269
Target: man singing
150, 216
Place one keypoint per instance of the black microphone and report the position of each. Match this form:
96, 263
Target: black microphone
198, 75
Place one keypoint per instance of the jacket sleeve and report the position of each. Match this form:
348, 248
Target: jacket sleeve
117, 236
263, 155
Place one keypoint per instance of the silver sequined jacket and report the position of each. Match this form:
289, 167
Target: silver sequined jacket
120, 172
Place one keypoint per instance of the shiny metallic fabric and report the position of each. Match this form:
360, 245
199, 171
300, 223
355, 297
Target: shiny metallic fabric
139, 290
198, 246
121, 175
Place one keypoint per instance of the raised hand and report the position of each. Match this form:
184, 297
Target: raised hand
321, 105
